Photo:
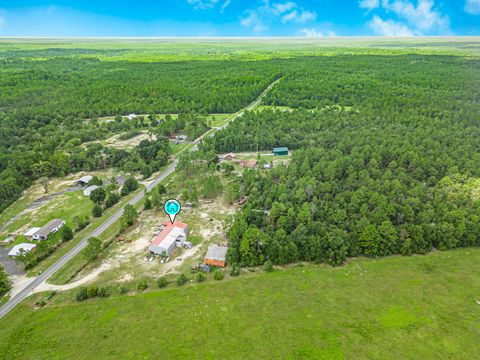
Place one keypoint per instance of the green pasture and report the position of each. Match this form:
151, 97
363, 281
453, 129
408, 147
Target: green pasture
392, 308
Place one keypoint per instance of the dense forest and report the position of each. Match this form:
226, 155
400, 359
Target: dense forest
386, 161
386, 152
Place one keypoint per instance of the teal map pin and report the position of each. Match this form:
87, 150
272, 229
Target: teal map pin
172, 207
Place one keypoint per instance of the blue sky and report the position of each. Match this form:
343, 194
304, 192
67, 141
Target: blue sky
314, 18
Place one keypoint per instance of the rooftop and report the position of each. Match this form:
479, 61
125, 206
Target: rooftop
87, 191
48, 227
216, 252
32, 231
169, 233
23, 246
283, 148
85, 179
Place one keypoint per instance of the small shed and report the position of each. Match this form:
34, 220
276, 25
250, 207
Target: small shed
87, 191
23, 247
216, 256
84, 180
280, 151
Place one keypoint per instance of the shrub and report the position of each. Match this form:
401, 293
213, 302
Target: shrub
162, 282
201, 277
123, 289
182, 279
142, 285
235, 270
97, 211
218, 275
104, 292
268, 266
81, 294
67, 233
41, 303
92, 291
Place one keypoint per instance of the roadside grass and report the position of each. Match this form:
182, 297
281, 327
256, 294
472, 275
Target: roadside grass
176, 148
391, 308
217, 120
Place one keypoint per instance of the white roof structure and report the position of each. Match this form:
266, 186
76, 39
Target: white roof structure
85, 179
216, 252
32, 231
172, 236
17, 249
87, 191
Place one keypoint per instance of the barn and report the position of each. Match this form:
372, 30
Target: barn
280, 151
216, 256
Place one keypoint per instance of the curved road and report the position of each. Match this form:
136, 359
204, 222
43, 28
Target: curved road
30, 288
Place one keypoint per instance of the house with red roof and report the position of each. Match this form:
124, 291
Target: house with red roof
172, 236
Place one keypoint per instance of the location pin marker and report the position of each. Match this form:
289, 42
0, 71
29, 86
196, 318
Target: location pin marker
172, 207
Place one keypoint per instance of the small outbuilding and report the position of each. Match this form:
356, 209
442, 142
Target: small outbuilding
21, 248
84, 180
87, 191
280, 151
29, 234
216, 256
51, 227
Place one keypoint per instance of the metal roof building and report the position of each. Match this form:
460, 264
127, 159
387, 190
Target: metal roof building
216, 256
280, 151
89, 190
29, 234
84, 180
23, 247
166, 241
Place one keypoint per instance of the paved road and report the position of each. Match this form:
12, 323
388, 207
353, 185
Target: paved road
30, 288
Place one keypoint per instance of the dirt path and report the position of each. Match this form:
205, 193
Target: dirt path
85, 280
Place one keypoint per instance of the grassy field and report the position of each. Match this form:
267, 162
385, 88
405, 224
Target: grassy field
218, 119
393, 308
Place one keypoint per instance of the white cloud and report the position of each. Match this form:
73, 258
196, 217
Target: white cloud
259, 18
314, 33
389, 27
252, 20
423, 17
208, 4
472, 7
369, 4
300, 17
280, 8
420, 18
